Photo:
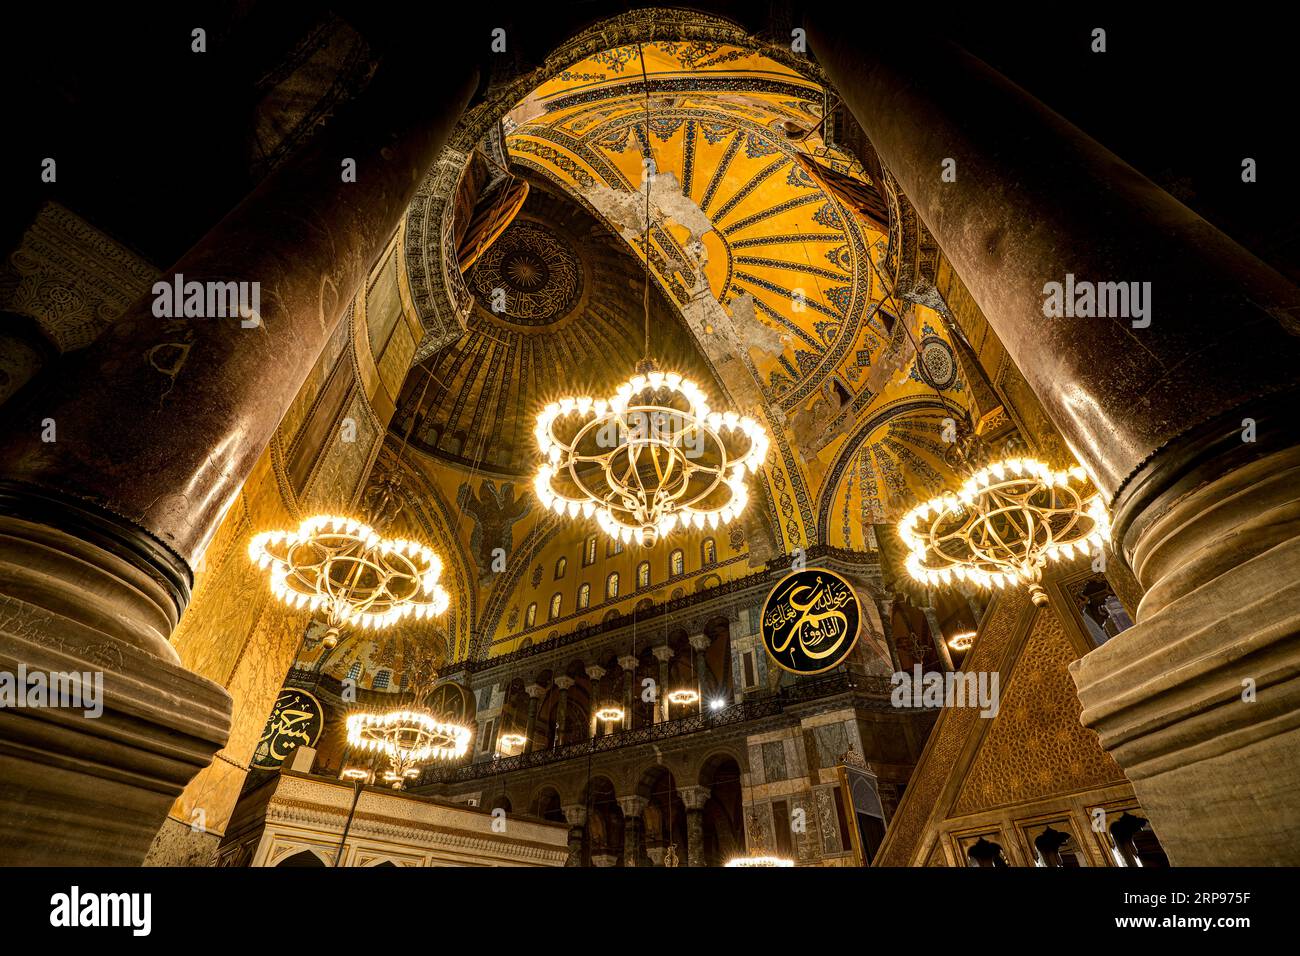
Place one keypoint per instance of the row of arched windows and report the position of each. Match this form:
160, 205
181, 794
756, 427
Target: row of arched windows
676, 560
676, 568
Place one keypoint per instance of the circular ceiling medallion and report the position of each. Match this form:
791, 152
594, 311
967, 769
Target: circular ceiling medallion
938, 365
530, 276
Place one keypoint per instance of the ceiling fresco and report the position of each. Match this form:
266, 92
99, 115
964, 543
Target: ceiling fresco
567, 316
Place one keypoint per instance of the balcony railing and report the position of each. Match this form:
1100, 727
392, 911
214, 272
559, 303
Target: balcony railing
805, 690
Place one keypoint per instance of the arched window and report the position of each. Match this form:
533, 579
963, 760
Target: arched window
381, 680
584, 597
589, 551
556, 601
354, 671
613, 546
611, 586
709, 552
643, 574
530, 616
561, 565
676, 563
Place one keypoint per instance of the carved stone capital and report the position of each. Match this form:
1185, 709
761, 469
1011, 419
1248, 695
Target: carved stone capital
701, 642
535, 690
663, 653
628, 662
632, 807
695, 797
595, 671
564, 683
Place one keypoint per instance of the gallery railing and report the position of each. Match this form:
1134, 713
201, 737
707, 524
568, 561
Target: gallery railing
805, 690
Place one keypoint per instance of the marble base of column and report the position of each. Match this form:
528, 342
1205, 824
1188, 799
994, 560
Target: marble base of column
93, 790
1199, 701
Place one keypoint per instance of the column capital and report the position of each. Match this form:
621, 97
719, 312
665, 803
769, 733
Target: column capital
695, 797
575, 814
535, 690
628, 662
701, 642
632, 806
595, 671
564, 683
663, 653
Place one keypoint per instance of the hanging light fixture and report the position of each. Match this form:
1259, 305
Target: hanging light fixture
408, 738
1003, 526
653, 457
962, 642
412, 735
759, 861
347, 569
610, 714
343, 567
509, 741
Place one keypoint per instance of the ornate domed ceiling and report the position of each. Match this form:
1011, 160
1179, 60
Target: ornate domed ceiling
749, 227
749, 245
558, 309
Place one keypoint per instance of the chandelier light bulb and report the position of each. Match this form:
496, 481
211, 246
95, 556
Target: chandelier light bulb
650, 460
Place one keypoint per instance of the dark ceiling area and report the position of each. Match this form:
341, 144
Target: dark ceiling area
154, 142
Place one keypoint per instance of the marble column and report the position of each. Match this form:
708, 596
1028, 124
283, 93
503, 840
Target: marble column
936, 636
695, 798
1183, 414
700, 644
535, 693
158, 423
633, 830
595, 674
561, 708
628, 664
663, 654
576, 816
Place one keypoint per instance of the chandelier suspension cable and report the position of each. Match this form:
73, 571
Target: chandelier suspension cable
648, 172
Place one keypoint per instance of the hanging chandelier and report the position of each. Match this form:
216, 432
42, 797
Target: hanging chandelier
609, 715
408, 738
759, 861
344, 568
652, 458
683, 696
655, 456
1003, 526
962, 642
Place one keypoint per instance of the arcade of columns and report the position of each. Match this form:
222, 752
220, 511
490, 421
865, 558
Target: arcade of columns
99, 536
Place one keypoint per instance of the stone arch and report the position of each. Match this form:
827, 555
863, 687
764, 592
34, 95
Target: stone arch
306, 858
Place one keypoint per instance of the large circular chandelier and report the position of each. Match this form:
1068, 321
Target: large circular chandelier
346, 569
408, 738
1003, 525
652, 458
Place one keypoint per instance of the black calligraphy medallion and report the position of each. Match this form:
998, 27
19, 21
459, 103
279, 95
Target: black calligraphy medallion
810, 621
296, 721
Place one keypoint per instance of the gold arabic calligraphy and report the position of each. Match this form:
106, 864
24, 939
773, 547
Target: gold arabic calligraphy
815, 611
286, 730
